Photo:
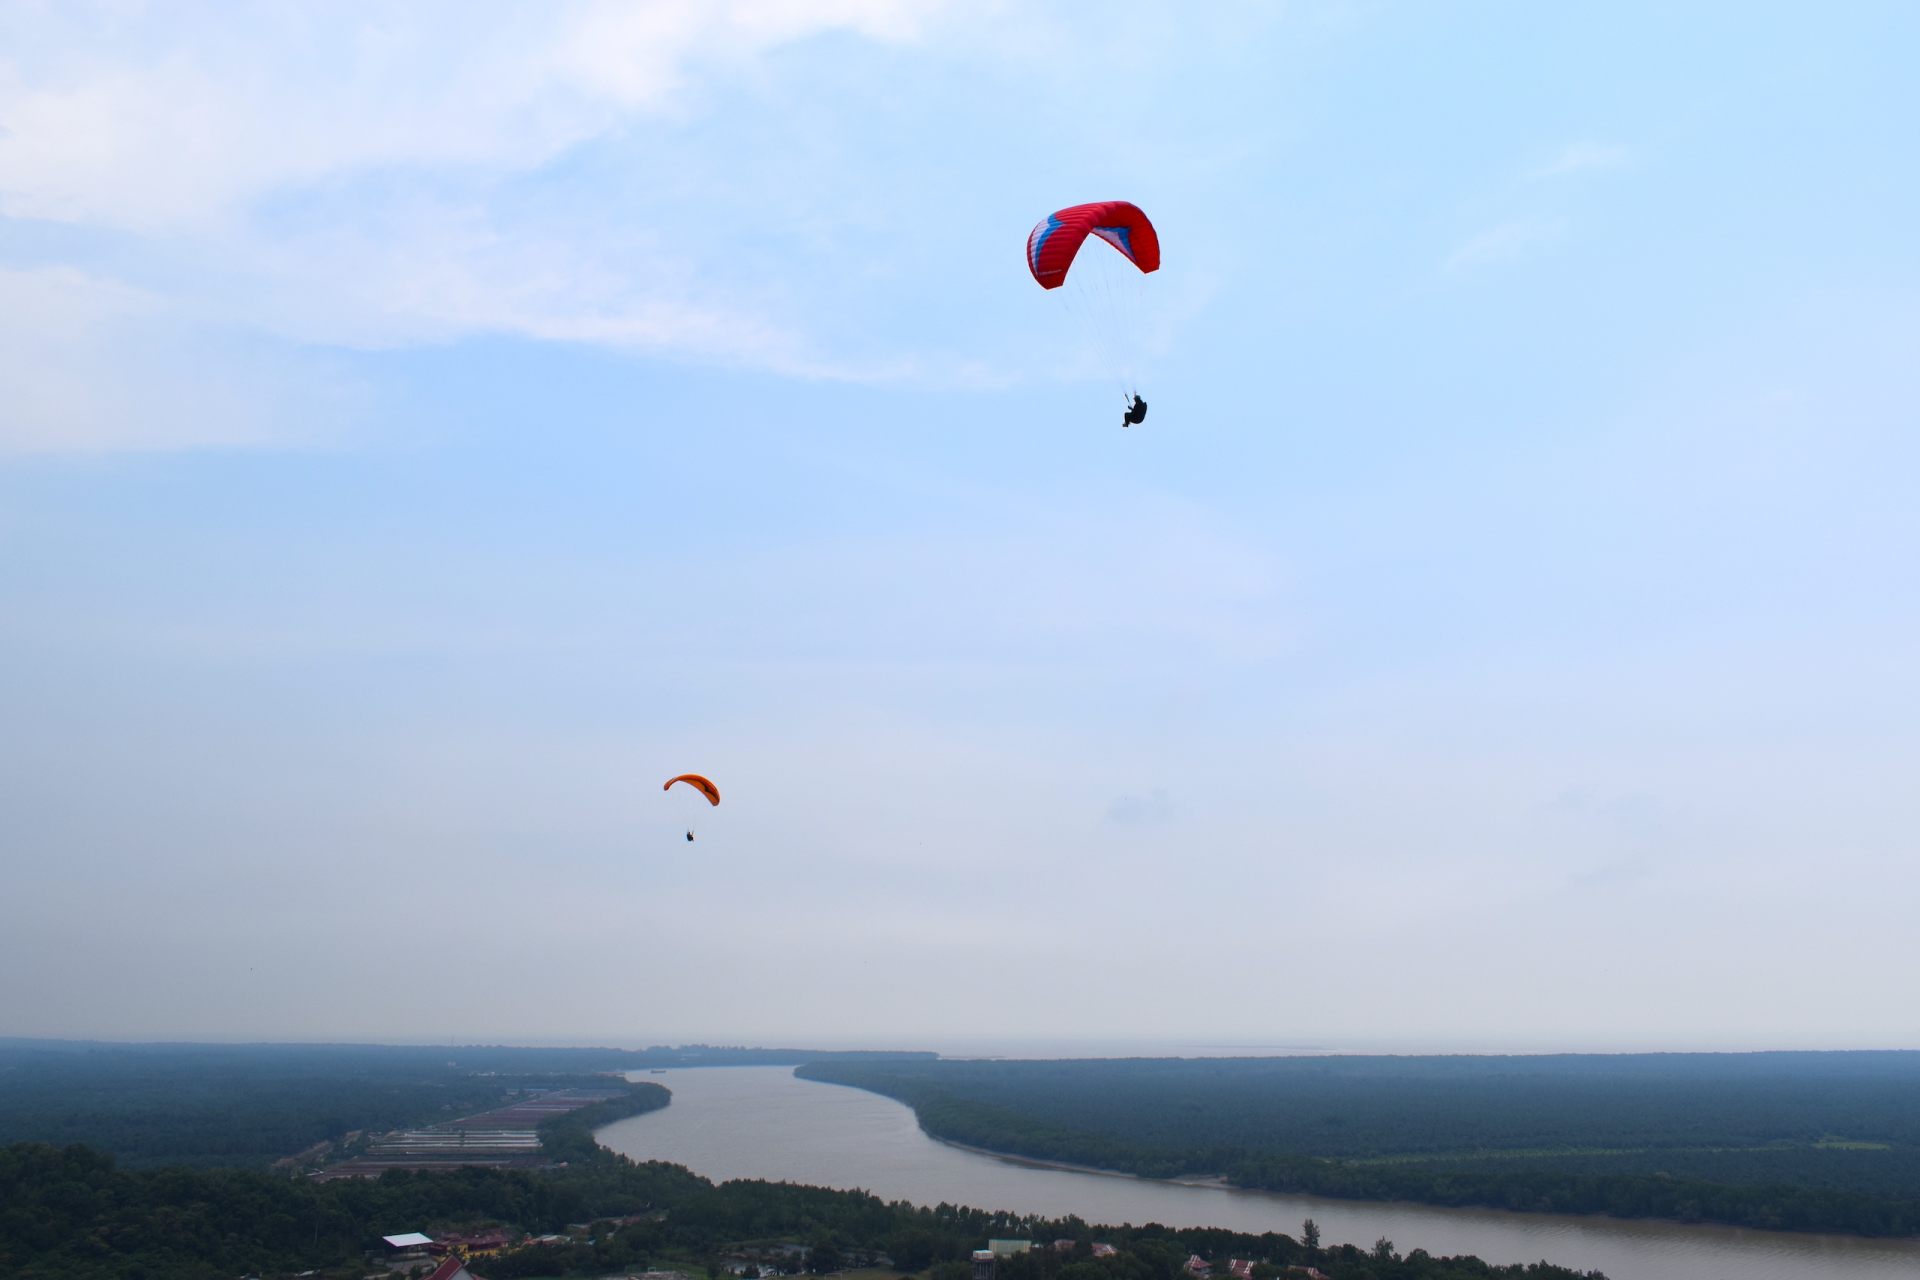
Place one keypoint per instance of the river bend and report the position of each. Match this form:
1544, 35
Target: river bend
761, 1122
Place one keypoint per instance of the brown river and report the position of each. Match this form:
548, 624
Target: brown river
760, 1122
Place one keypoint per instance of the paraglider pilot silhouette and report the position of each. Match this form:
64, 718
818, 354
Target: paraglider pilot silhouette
1136, 412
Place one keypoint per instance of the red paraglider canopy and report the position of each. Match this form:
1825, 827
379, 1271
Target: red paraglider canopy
698, 783
1053, 243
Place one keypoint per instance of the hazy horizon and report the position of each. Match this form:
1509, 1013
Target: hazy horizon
422, 432
1009, 1047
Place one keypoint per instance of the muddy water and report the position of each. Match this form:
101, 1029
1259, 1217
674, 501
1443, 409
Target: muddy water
760, 1122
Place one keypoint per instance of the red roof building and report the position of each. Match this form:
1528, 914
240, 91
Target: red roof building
475, 1243
452, 1269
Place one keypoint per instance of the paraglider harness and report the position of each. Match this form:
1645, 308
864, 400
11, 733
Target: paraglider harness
1136, 412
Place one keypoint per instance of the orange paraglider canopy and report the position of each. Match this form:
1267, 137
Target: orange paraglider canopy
698, 783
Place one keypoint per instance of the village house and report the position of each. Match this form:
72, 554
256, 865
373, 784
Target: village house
983, 1259
410, 1244
475, 1244
453, 1269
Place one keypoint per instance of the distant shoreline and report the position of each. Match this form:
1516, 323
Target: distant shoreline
1579, 1173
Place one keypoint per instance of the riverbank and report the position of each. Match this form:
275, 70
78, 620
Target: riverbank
1574, 1135
1216, 1182
1220, 1183
767, 1124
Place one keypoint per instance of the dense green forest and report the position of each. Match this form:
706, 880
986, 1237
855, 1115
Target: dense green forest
70, 1214
248, 1105
1797, 1141
74, 1213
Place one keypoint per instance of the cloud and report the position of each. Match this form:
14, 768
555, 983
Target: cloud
1506, 242
1584, 157
1527, 234
159, 121
309, 176
90, 365
437, 271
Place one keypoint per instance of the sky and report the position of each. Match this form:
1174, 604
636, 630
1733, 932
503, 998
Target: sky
425, 429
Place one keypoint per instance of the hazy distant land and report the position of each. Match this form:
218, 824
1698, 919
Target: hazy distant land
250, 1105
1794, 1141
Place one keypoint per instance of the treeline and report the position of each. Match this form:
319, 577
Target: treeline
1157, 1253
568, 1138
248, 1105
709, 1055
1817, 1142
243, 1107
69, 1214
16, 1051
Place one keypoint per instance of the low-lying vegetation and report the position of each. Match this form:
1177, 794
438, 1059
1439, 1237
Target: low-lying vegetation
1798, 1141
